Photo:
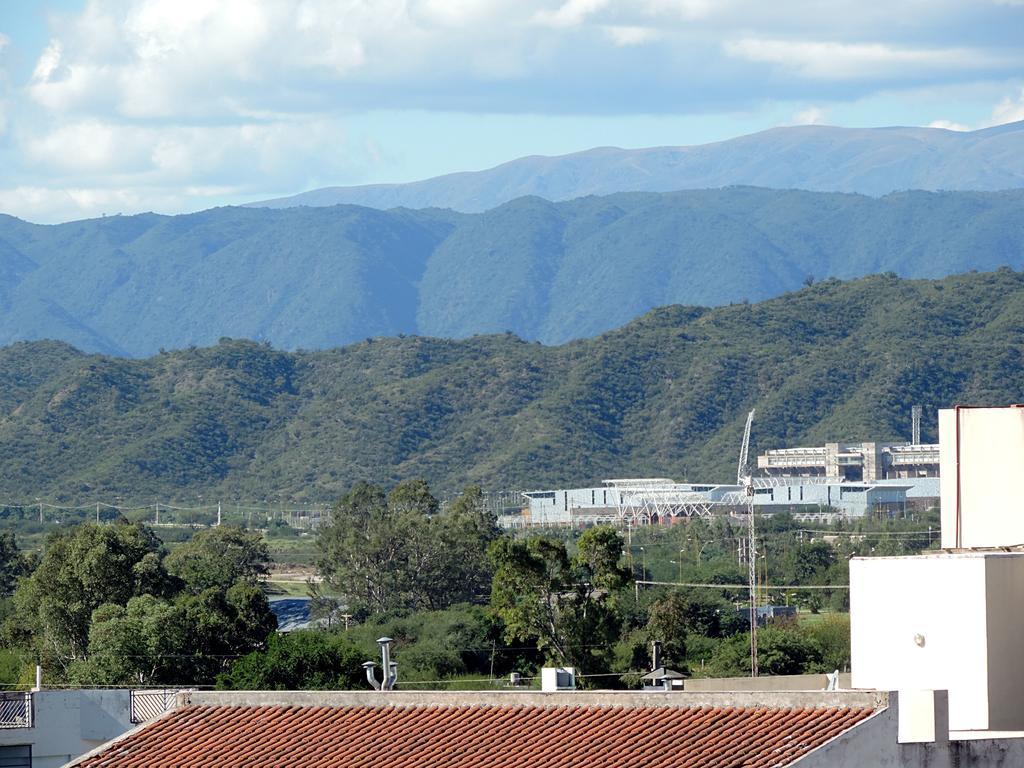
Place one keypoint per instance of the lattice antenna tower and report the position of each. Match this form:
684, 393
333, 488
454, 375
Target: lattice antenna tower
915, 431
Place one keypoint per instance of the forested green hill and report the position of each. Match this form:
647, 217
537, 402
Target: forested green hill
665, 395
315, 278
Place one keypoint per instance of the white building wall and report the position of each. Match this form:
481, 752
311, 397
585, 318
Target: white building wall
913, 627
943, 622
988, 462
874, 744
69, 723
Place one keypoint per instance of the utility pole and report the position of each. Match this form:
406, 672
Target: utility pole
218, 514
97, 513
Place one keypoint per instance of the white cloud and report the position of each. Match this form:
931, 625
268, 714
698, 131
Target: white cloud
948, 125
623, 36
88, 146
686, 9
1009, 110
48, 62
94, 153
810, 116
570, 13
152, 103
831, 60
65, 203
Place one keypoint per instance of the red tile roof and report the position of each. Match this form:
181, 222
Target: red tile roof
478, 736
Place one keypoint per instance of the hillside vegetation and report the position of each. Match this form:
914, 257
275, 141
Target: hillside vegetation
315, 278
871, 161
665, 395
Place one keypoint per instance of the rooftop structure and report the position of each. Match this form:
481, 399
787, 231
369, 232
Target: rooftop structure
858, 462
469, 730
597, 729
952, 621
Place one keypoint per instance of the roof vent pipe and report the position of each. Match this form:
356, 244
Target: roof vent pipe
390, 668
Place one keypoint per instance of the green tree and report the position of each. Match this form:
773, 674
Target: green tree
566, 605
81, 569
808, 563
362, 550
780, 651
451, 552
137, 644
693, 611
303, 660
218, 557
401, 552
188, 640
13, 563
832, 635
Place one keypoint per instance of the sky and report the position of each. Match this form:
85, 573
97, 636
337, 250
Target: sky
122, 106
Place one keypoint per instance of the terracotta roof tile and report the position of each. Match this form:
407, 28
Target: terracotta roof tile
495, 736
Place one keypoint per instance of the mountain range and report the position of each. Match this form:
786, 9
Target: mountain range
871, 161
314, 278
665, 396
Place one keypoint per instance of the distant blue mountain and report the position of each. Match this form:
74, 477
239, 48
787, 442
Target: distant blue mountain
321, 277
871, 161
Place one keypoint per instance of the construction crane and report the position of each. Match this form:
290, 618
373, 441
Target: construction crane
742, 470
745, 480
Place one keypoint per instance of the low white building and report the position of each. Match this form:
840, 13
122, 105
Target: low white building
651, 498
49, 728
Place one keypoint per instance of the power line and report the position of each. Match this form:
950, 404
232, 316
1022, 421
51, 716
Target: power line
780, 588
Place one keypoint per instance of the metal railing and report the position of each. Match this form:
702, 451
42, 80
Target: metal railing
15, 710
149, 704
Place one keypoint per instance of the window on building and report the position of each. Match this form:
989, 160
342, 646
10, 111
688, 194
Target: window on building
19, 756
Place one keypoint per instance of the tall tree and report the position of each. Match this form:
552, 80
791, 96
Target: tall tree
451, 552
218, 557
567, 605
362, 550
307, 660
82, 569
402, 551
188, 640
13, 563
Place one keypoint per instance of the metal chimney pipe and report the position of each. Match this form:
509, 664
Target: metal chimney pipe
386, 664
655, 655
370, 666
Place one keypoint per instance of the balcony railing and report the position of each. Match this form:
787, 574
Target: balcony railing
150, 704
15, 710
